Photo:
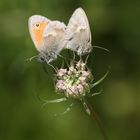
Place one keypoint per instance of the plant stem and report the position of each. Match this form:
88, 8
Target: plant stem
91, 112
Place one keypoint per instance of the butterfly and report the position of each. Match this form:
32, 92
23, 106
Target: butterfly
47, 36
78, 34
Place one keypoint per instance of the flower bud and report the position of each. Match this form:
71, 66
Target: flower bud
61, 72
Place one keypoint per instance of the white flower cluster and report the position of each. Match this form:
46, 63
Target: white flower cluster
75, 81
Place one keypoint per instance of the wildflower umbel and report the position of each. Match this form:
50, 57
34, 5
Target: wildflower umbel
75, 81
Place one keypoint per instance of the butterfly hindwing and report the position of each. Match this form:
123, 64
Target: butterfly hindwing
53, 36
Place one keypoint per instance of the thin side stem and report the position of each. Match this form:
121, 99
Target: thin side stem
53, 101
101, 79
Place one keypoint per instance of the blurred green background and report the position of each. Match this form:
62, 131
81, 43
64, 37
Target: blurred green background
115, 26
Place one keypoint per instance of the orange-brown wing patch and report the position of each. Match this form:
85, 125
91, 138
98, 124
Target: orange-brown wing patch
38, 32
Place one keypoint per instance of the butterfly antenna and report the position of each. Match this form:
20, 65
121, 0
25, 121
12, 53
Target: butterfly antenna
98, 47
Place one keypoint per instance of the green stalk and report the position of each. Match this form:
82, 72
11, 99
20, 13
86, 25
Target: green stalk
90, 111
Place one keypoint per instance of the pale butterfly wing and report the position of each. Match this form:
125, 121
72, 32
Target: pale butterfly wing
32, 22
78, 35
53, 37
47, 36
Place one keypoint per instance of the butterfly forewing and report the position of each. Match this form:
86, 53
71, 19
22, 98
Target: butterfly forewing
78, 35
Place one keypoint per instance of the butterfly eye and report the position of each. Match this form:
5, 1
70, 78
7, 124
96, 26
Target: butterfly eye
37, 25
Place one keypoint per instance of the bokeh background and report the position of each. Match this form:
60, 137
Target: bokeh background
115, 26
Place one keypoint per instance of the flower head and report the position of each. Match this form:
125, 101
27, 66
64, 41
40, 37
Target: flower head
75, 81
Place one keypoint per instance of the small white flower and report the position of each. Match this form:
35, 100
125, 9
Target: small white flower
80, 88
82, 79
83, 66
78, 65
60, 85
69, 91
74, 89
77, 82
71, 70
85, 73
61, 72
